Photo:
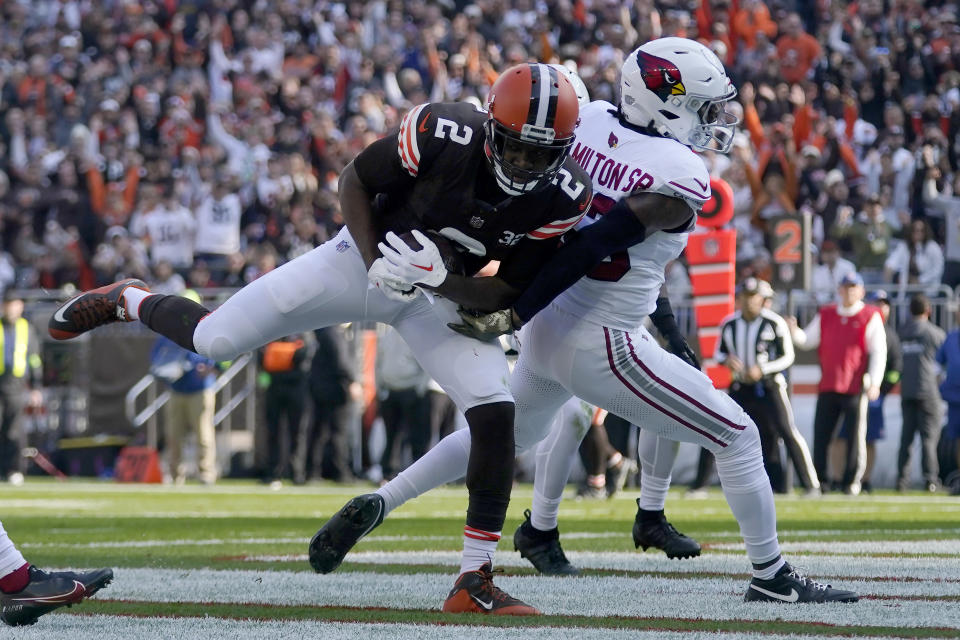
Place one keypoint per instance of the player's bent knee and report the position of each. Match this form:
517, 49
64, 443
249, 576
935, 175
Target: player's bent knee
210, 342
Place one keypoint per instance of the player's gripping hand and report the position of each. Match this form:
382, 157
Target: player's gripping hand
380, 277
417, 266
484, 326
679, 347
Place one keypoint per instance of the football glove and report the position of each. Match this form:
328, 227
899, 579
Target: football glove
484, 326
381, 278
415, 266
679, 347
666, 325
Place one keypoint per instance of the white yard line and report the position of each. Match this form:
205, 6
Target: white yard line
925, 568
125, 628
689, 598
909, 547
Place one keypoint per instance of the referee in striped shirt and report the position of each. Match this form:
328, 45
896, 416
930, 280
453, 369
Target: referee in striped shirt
755, 345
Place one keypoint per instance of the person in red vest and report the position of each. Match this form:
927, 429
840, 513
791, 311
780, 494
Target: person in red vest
852, 347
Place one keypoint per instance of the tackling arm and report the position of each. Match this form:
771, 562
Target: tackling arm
626, 224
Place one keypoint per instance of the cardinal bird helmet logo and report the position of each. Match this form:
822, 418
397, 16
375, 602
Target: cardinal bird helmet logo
660, 75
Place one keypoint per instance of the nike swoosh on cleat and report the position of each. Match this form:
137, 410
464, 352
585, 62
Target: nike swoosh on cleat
486, 605
58, 316
793, 596
430, 268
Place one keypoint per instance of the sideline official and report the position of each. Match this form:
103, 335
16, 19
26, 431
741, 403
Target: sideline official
20, 378
755, 345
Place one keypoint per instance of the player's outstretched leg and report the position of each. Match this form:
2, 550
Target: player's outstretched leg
356, 519
542, 549
42, 593
92, 309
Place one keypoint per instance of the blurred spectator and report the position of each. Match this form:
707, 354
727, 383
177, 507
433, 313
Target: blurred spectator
797, 50
20, 376
166, 227
944, 202
191, 406
403, 402
284, 363
852, 350
919, 396
335, 389
870, 236
948, 356
826, 276
918, 259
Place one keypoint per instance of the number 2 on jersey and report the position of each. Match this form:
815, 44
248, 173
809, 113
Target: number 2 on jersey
614, 268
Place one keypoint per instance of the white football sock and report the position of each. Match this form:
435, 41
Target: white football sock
555, 459
132, 297
446, 462
478, 548
10, 558
657, 456
747, 490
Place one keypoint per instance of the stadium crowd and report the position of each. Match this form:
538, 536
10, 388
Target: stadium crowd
203, 140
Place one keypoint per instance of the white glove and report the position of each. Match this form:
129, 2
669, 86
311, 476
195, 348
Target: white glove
423, 266
381, 278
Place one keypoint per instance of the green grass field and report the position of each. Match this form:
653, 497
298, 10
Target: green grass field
230, 561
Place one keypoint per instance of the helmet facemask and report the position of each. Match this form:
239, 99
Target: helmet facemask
527, 161
716, 127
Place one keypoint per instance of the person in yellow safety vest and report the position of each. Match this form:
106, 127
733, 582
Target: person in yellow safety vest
20, 377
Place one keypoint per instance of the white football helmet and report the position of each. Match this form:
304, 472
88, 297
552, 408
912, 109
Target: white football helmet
583, 96
678, 88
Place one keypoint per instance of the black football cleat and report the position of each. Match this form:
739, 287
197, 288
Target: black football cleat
475, 592
44, 593
790, 585
657, 532
92, 309
92, 581
334, 540
542, 549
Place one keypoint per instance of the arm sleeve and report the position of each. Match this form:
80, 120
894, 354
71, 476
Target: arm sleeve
876, 339
616, 231
808, 338
784, 344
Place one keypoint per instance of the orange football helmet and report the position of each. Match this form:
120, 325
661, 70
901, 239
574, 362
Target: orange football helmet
532, 113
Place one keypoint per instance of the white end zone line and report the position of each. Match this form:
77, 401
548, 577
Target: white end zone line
654, 597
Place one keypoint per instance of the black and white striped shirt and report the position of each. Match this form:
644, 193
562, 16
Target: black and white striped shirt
764, 342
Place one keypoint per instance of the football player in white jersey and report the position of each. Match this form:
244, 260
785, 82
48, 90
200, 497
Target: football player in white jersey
586, 340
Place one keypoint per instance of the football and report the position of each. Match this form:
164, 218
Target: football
452, 259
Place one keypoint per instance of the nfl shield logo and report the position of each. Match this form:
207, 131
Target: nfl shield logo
342, 246
476, 222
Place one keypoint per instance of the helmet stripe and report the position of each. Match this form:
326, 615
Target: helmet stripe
539, 95
554, 84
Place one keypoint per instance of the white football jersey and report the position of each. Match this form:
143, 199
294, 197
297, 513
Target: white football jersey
218, 225
622, 290
170, 231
